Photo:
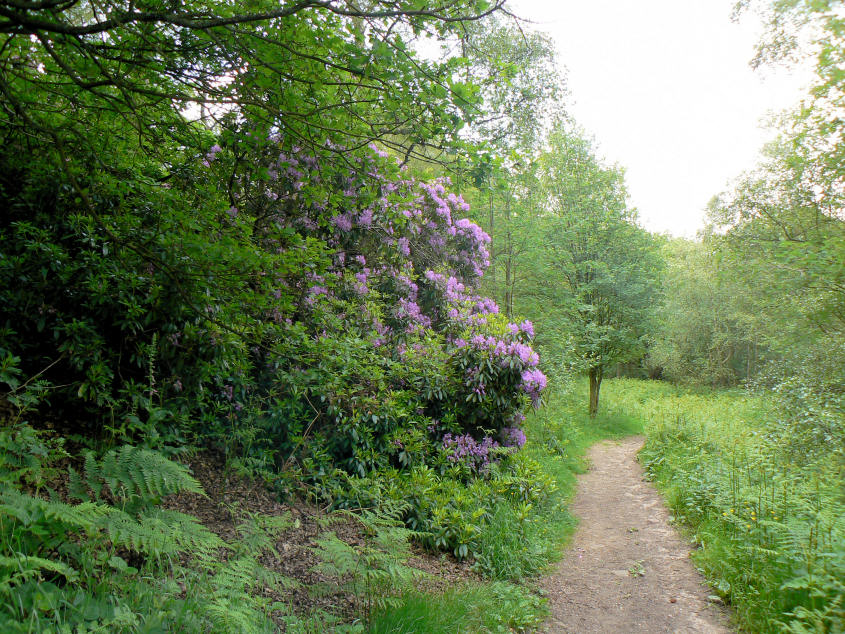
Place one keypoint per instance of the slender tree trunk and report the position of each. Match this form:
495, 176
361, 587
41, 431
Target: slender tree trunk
492, 232
754, 367
596, 376
748, 361
507, 286
508, 261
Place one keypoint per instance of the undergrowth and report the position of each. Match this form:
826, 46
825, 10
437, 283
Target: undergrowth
111, 559
770, 520
101, 554
516, 521
493, 607
88, 546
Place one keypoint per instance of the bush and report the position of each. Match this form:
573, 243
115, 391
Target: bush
314, 320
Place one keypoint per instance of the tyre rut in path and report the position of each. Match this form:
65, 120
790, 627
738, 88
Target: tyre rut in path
627, 569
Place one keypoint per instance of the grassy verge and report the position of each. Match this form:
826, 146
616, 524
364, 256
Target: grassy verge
518, 540
770, 520
490, 607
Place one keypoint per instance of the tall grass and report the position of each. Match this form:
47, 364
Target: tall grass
770, 520
490, 607
520, 540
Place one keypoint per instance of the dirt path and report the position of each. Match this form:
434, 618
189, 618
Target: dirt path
627, 570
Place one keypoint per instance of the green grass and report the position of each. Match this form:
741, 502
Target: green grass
770, 518
490, 607
519, 540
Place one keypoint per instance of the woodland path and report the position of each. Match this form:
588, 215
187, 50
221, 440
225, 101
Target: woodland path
627, 570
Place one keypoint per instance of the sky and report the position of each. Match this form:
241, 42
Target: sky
665, 88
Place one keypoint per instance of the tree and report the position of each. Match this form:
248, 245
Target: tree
802, 31
525, 85
783, 230
310, 70
707, 328
605, 265
526, 91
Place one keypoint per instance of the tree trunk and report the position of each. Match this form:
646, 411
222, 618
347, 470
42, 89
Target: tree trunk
748, 361
508, 287
492, 269
595, 385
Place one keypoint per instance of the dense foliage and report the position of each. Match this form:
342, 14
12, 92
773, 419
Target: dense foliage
111, 560
298, 299
203, 246
357, 330
313, 68
607, 264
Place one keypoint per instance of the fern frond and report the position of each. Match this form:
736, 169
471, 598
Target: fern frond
151, 474
21, 567
160, 532
259, 532
233, 616
91, 471
337, 557
234, 605
133, 473
29, 510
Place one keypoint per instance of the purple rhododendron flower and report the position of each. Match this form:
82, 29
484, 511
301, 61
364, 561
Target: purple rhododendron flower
314, 292
466, 449
533, 382
365, 218
527, 327
513, 437
343, 222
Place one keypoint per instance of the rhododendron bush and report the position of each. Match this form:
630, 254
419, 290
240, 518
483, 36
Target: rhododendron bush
436, 368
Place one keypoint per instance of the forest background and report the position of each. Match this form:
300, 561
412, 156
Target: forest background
287, 237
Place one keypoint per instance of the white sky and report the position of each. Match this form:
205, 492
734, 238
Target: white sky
666, 89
